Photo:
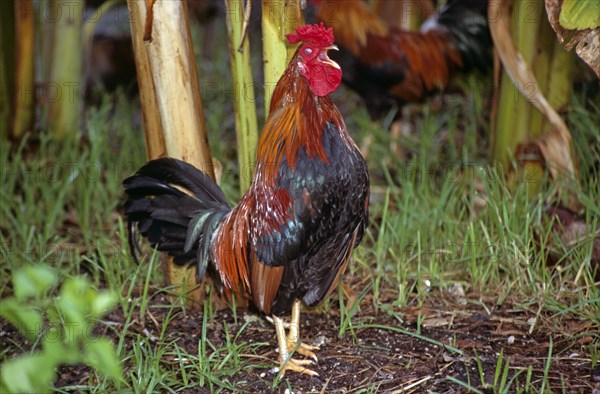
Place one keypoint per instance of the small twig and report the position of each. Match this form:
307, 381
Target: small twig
412, 334
535, 319
410, 386
579, 273
516, 322
147, 333
256, 356
323, 390
112, 323
153, 319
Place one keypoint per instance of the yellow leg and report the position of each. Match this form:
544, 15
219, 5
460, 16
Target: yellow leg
293, 338
286, 363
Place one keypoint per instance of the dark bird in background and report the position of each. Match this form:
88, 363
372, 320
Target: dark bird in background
389, 67
291, 236
109, 61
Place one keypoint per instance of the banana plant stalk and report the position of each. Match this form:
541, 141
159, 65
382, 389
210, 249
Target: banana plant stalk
7, 67
244, 104
64, 112
151, 117
279, 17
172, 108
24, 99
516, 118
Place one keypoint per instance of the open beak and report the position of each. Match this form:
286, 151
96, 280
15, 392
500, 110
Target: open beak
325, 59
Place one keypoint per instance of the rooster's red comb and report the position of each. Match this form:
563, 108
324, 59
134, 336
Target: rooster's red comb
312, 34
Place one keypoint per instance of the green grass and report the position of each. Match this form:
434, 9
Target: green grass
520, 381
60, 206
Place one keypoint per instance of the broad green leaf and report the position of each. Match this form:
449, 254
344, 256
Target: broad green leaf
74, 319
100, 354
59, 352
74, 304
26, 318
580, 14
103, 303
31, 373
33, 281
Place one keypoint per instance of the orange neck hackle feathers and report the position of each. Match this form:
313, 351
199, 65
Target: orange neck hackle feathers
299, 114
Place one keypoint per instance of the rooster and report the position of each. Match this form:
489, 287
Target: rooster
292, 234
389, 67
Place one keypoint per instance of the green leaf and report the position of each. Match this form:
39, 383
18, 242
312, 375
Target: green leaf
31, 373
100, 354
580, 14
53, 315
26, 318
33, 281
59, 352
74, 305
103, 303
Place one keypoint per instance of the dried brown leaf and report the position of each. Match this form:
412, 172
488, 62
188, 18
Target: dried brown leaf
587, 42
588, 49
572, 230
517, 69
554, 146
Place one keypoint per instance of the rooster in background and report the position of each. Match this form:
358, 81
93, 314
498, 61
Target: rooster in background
291, 236
389, 66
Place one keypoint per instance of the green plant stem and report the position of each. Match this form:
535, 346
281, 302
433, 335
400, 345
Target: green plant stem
525, 31
517, 120
65, 75
244, 104
279, 18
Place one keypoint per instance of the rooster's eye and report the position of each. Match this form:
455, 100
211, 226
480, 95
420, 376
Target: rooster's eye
308, 51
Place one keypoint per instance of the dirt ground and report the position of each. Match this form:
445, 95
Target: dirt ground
388, 361
381, 360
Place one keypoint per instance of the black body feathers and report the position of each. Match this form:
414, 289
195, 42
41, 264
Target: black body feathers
466, 21
175, 222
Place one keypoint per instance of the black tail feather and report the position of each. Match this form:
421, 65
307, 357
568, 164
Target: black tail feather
467, 21
182, 174
172, 220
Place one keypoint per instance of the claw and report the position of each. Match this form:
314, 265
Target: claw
296, 366
303, 349
290, 344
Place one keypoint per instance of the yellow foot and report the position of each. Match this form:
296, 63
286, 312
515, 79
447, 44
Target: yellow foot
303, 349
296, 366
290, 344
